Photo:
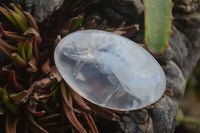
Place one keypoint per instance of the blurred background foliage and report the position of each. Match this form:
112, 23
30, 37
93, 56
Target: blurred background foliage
188, 117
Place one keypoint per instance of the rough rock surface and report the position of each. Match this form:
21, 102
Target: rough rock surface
42, 8
117, 11
177, 62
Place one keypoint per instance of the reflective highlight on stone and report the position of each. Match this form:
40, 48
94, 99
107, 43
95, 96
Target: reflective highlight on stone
109, 70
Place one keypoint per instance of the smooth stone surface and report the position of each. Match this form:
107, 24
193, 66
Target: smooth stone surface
109, 70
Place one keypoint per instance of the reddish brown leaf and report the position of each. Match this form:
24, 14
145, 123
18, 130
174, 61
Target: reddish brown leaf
32, 63
149, 107
7, 67
79, 100
44, 83
35, 49
119, 112
13, 82
104, 112
67, 104
5, 51
63, 90
91, 123
46, 66
34, 33
34, 124
47, 118
55, 74
8, 47
48, 94
169, 92
18, 61
31, 21
32, 106
18, 97
11, 124
11, 36
72, 118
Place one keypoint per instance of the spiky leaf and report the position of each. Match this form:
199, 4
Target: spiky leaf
8, 102
21, 50
28, 47
8, 16
18, 11
158, 18
21, 22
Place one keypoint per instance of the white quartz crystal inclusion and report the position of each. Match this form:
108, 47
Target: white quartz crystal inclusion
109, 70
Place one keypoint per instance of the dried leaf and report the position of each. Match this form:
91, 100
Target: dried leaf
35, 49
46, 118
55, 74
35, 125
18, 61
13, 82
63, 90
31, 21
91, 123
8, 47
32, 63
46, 66
104, 112
11, 124
79, 100
72, 118
18, 97
10, 35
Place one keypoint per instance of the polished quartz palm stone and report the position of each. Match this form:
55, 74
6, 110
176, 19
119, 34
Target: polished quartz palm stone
109, 70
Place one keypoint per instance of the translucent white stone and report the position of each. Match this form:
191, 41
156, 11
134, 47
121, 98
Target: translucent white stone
109, 70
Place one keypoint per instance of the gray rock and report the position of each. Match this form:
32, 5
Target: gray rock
164, 115
175, 79
42, 8
117, 11
136, 122
177, 61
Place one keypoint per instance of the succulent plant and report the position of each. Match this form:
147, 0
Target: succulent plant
32, 91
158, 19
33, 96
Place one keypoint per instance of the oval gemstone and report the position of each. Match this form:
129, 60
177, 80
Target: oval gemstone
109, 70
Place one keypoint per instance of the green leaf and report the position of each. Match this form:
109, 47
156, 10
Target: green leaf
7, 14
18, 61
18, 97
76, 23
21, 22
18, 11
158, 19
2, 110
9, 104
21, 50
28, 46
186, 119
